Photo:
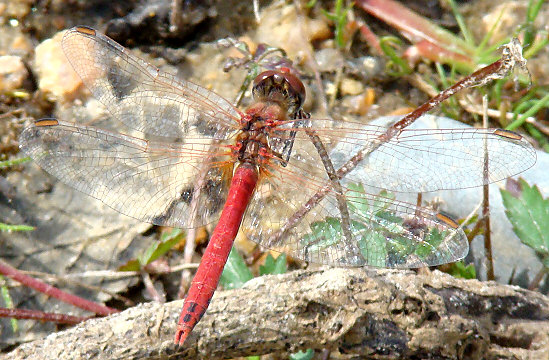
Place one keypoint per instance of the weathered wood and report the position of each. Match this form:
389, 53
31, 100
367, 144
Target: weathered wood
370, 313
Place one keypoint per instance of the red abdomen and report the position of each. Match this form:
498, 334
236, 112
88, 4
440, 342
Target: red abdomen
207, 276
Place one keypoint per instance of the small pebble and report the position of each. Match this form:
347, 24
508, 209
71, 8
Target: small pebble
350, 86
56, 76
12, 73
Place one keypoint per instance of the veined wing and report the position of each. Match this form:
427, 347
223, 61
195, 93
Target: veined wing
150, 181
423, 160
141, 96
288, 214
350, 225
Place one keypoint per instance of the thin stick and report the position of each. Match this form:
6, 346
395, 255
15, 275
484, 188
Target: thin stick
534, 285
42, 316
52, 291
486, 202
330, 170
105, 274
511, 57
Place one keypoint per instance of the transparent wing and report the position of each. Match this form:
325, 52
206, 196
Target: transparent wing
423, 160
306, 215
382, 232
142, 97
150, 181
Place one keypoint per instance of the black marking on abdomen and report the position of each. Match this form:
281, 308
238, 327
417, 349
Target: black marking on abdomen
192, 307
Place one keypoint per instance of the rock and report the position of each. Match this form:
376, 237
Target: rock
282, 27
350, 86
360, 104
329, 60
14, 42
12, 73
56, 76
16, 9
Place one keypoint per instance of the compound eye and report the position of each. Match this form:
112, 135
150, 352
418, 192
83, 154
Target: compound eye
280, 86
263, 76
295, 85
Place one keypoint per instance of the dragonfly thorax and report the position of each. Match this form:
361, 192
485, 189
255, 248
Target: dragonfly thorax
252, 142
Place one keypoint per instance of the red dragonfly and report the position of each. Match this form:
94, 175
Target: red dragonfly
190, 158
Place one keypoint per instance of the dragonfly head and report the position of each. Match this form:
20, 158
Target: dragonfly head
279, 86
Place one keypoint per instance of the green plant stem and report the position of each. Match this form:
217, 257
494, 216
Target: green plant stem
13, 162
10, 228
543, 102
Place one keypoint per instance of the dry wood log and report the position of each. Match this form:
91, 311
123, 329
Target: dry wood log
355, 313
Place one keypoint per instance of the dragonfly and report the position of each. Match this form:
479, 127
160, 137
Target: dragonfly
188, 157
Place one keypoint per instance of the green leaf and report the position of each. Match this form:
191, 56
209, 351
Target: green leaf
431, 243
390, 221
462, 271
357, 203
131, 265
383, 201
400, 246
372, 222
529, 215
373, 247
303, 355
272, 266
157, 249
170, 235
235, 273
396, 66
323, 234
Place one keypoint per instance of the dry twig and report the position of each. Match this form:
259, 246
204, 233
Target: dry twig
371, 313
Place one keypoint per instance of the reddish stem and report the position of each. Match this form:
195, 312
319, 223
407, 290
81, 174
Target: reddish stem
437, 53
414, 26
534, 285
431, 41
490, 275
52, 291
478, 77
369, 36
42, 316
